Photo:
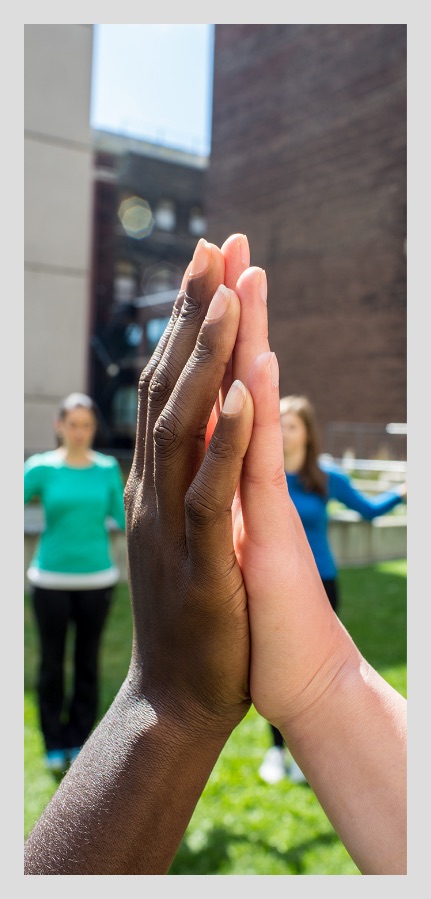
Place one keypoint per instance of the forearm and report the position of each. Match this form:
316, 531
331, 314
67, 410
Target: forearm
125, 804
352, 748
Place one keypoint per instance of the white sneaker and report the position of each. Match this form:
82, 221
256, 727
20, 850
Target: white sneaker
273, 768
295, 774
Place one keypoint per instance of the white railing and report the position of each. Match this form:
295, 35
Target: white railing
389, 472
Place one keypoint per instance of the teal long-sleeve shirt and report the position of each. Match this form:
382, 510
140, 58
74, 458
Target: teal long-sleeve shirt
77, 503
312, 510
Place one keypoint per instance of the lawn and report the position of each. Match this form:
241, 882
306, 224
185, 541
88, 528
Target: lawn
241, 825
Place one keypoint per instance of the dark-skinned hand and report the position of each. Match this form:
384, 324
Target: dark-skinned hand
188, 597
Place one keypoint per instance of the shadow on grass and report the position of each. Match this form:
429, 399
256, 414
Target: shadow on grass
214, 857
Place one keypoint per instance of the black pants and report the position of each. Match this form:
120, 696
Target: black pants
331, 588
67, 723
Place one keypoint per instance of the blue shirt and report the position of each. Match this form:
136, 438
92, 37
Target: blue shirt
312, 511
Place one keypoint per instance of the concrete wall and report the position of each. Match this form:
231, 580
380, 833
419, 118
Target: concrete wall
58, 217
356, 542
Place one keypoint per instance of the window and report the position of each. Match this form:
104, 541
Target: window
165, 216
197, 222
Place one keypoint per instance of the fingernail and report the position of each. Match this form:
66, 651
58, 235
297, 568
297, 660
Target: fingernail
219, 303
244, 250
235, 399
274, 370
263, 284
201, 257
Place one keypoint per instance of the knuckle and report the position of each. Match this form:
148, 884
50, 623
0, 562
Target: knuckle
221, 448
191, 308
199, 505
213, 346
144, 381
166, 433
159, 386
204, 350
269, 479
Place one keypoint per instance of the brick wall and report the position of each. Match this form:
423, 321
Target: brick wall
309, 159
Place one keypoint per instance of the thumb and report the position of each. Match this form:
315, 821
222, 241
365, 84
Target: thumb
209, 499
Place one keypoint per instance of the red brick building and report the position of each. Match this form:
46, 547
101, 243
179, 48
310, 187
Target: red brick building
309, 159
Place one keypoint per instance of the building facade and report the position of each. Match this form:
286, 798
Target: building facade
309, 159
110, 225
148, 216
58, 158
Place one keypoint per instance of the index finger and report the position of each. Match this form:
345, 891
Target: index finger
252, 339
264, 493
236, 253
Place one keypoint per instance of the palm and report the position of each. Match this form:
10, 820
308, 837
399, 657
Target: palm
269, 540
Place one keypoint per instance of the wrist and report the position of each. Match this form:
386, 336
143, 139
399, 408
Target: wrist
194, 719
352, 749
330, 688
134, 787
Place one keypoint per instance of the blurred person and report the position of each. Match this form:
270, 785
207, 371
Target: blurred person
72, 573
312, 482
224, 592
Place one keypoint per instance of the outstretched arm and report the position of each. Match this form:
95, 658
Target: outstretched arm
124, 805
344, 724
369, 507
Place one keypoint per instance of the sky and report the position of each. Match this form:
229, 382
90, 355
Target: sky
154, 82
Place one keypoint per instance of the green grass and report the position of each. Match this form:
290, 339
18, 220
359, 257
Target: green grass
241, 825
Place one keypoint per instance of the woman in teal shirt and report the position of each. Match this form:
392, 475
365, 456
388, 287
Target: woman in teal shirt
72, 573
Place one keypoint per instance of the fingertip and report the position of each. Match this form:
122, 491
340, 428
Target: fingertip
235, 398
230, 240
244, 250
250, 277
238, 242
206, 268
201, 258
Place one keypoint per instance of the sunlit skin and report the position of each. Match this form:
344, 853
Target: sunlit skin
76, 432
224, 592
